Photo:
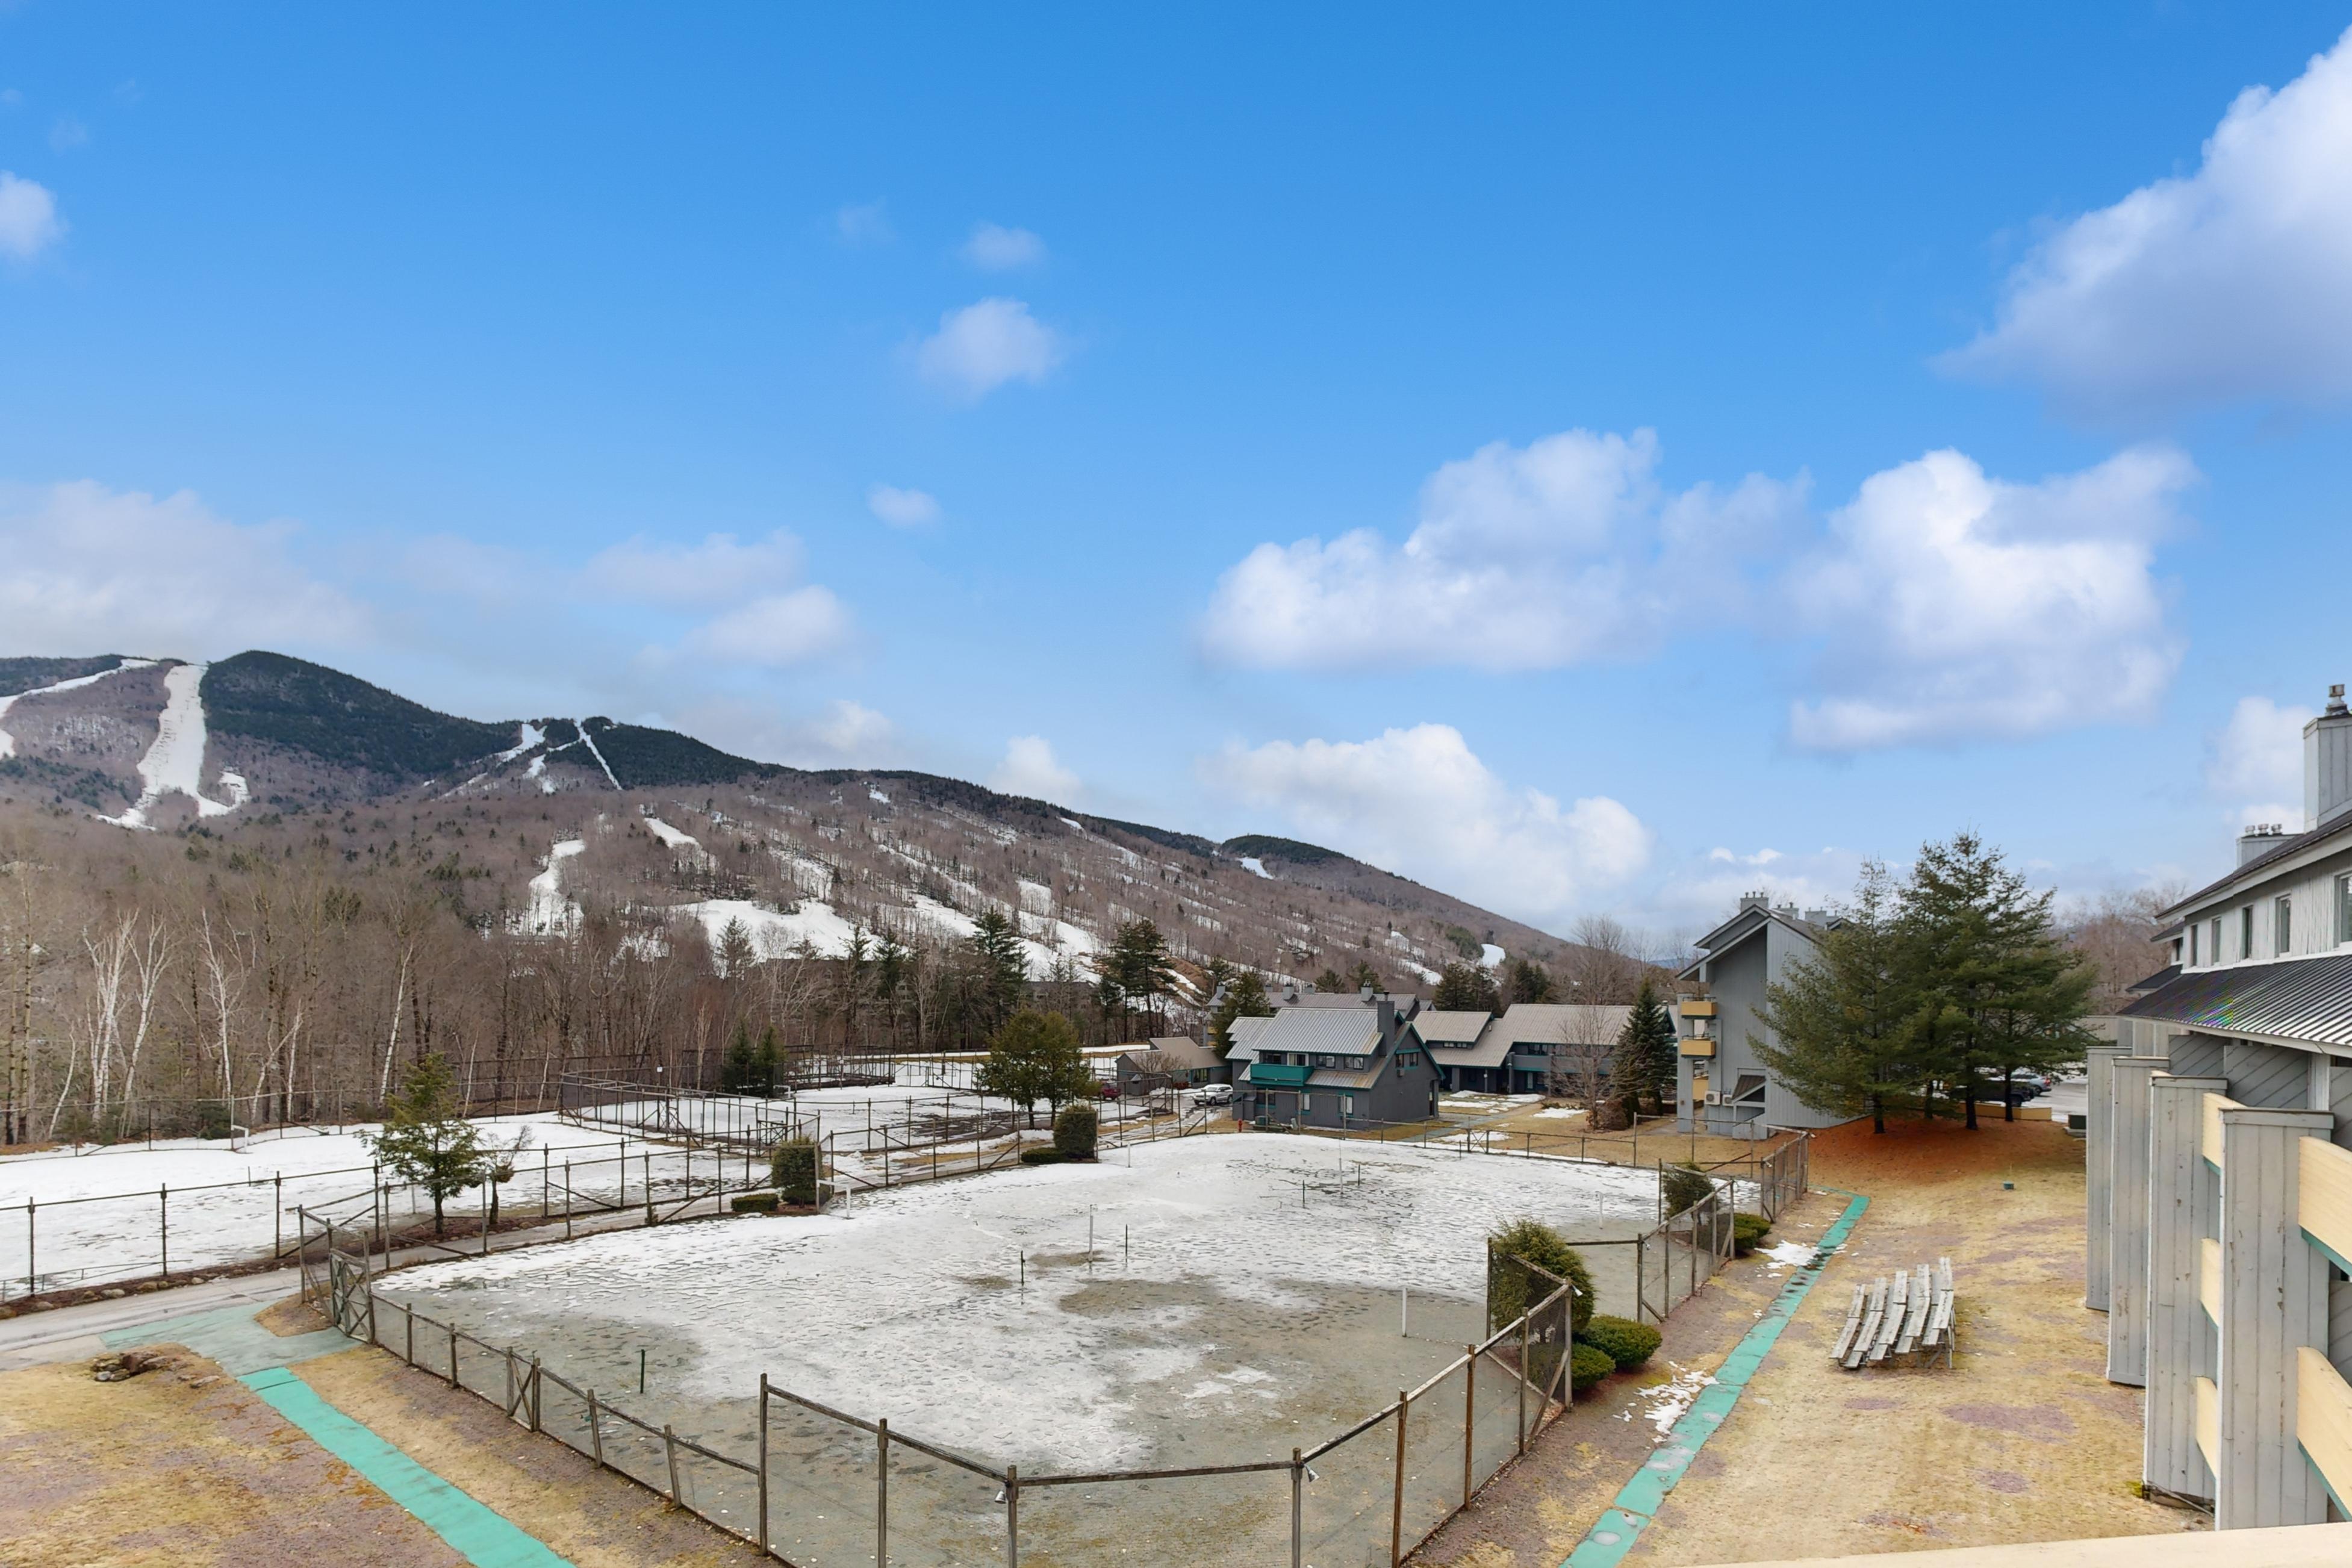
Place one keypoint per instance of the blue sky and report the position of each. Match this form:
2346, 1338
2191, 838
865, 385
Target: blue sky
1591, 463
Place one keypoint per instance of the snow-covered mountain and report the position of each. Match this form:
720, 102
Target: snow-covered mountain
556, 809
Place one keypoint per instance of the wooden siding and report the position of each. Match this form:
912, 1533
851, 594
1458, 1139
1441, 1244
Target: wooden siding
2323, 1420
2340, 1324
2275, 1075
2208, 1277
2209, 1424
2325, 1198
2339, 1099
2214, 1105
2197, 1056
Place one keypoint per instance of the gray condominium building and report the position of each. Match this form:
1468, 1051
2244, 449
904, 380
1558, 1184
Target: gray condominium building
2219, 1151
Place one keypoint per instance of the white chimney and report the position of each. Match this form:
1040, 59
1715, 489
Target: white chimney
2259, 839
2327, 763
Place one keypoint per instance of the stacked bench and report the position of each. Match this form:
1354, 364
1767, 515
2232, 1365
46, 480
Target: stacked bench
1909, 1314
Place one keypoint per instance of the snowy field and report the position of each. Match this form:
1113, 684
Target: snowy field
1242, 1295
96, 1215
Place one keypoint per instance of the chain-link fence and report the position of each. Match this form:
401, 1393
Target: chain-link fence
827, 1488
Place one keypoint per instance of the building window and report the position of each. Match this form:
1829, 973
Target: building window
1306, 1103
2192, 944
2282, 926
2246, 932
2215, 928
1347, 1105
2344, 909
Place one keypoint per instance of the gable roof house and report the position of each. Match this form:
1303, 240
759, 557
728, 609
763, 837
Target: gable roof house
1721, 1085
1328, 1065
2219, 1224
1166, 1062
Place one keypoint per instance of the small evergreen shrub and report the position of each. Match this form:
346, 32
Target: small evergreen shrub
753, 1203
1685, 1186
1075, 1127
1588, 1366
1748, 1232
213, 1118
1625, 1341
794, 1167
1532, 1241
1043, 1156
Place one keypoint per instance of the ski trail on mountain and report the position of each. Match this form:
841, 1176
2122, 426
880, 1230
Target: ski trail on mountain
175, 764
590, 742
8, 741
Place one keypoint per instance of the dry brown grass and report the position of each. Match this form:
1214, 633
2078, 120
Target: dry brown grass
186, 1467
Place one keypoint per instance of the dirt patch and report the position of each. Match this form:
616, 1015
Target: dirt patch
588, 1516
2022, 1438
183, 1466
291, 1317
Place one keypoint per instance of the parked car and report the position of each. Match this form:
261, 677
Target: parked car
2018, 1089
1212, 1094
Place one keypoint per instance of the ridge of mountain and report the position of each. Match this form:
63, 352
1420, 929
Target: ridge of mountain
263, 735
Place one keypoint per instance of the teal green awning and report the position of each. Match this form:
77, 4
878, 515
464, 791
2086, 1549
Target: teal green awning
1280, 1076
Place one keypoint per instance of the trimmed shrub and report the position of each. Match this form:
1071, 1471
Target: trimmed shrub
1043, 1156
1075, 1126
1626, 1342
1748, 1232
1685, 1186
1532, 1241
1588, 1366
754, 1203
794, 1167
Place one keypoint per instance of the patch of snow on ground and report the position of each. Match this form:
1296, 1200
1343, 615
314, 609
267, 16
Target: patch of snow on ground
773, 933
1788, 1255
875, 795
670, 836
548, 911
1490, 956
528, 737
1252, 864
1663, 1404
8, 741
538, 770
98, 1210
907, 1307
174, 764
1558, 1112
232, 784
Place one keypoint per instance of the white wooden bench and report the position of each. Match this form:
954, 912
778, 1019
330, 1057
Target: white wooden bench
1909, 1314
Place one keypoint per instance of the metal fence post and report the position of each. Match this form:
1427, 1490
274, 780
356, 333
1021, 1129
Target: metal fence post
1396, 1494
277, 1219
408, 1347
1523, 1380
163, 1223
1297, 1509
32, 1272
596, 1439
669, 1443
882, 1494
1469, 1415
763, 1461
1011, 1516
452, 1357
534, 1393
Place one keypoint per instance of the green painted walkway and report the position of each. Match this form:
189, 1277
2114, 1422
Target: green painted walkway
482, 1537
1638, 1501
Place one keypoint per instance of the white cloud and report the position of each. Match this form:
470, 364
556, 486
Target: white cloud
852, 730
2255, 763
1705, 890
1419, 802
719, 571
775, 630
1526, 557
902, 509
757, 611
995, 248
28, 217
2234, 282
1952, 606
865, 222
68, 133
980, 347
85, 569
1030, 768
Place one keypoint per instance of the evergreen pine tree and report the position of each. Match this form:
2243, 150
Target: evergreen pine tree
1529, 981
1003, 968
766, 1062
1244, 998
1330, 980
1644, 1070
425, 1138
1466, 988
737, 1072
1841, 1016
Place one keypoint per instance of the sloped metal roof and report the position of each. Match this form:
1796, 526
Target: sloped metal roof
1450, 1027
2293, 999
2286, 848
1244, 1031
1355, 1031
